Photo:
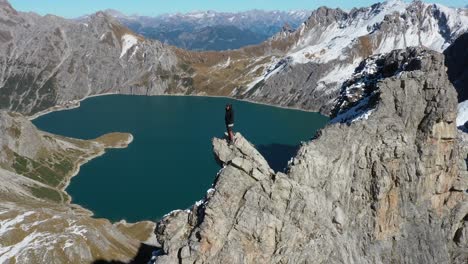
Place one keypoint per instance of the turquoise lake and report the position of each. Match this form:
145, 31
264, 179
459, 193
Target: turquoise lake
170, 164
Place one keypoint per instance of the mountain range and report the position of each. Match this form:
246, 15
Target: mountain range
384, 182
71, 60
211, 30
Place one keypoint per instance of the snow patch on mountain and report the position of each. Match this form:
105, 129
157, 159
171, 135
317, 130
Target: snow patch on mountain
278, 67
225, 64
456, 17
128, 41
358, 112
10, 224
275, 66
30, 242
355, 101
339, 40
462, 117
339, 74
324, 46
196, 15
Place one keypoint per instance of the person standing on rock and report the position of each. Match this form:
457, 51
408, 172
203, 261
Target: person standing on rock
229, 120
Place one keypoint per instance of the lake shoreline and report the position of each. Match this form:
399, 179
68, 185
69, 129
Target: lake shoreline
82, 161
253, 112
73, 104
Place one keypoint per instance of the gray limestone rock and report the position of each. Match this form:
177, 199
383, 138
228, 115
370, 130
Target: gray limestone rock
48, 61
383, 190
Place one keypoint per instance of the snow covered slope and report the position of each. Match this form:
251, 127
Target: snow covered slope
391, 25
128, 42
330, 44
462, 117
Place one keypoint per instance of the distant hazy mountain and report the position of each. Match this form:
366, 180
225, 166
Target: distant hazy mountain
211, 30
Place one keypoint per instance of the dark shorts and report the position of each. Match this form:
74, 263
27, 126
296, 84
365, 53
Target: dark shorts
229, 127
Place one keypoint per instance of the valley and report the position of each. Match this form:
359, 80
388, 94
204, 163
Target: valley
171, 150
384, 181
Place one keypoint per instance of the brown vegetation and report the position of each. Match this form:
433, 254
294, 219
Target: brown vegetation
112, 140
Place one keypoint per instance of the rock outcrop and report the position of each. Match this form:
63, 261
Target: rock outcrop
390, 189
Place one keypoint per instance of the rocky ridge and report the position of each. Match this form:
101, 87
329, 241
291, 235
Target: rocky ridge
212, 30
388, 190
326, 49
50, 62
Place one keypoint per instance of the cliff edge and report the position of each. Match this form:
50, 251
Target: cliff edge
391, 189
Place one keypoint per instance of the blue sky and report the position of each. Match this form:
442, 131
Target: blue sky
154, 7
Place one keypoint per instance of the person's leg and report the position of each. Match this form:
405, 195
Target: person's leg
231, 134
228, 132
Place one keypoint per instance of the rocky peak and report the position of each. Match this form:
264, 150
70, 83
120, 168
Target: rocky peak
287, 28
6, 8
240, 160
242, 155
360, 93
115, 13
5, 4
324, 16
323, 53
394, 180
102, 19
69, 58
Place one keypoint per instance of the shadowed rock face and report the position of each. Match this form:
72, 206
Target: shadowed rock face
456, 60
387, 190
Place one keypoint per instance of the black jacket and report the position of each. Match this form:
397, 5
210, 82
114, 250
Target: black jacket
229, 117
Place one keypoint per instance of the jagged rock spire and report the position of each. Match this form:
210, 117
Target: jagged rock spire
394, 177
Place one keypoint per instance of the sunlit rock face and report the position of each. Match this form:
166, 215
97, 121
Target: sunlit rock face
385, 188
